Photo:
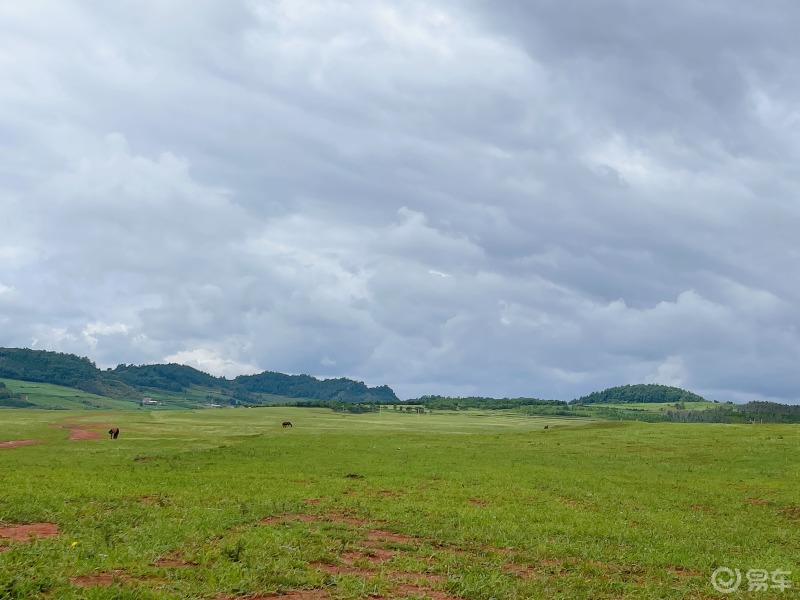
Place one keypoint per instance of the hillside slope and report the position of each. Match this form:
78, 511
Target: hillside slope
176, 385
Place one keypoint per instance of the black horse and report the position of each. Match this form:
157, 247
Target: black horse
114, 432
286, 424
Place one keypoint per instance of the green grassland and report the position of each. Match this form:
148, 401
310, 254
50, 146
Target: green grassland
224, 504
57, 397
46, 395
200, 397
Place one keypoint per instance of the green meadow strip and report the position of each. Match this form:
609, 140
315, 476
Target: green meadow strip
468, 504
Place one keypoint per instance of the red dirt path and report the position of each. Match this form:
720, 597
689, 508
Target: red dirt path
84, 434
84, 431
293, 595
22, 533
107, 578
102, 580
17, 443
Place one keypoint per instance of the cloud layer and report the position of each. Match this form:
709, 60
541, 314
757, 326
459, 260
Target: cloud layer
501, 198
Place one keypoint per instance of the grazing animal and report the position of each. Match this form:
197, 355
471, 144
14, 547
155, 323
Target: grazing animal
114, 432
546, 426
286, 424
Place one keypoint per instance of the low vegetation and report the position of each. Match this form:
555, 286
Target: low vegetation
469, 504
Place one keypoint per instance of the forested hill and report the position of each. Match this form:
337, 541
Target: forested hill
639, 393
46, 367
128, 381
305, 386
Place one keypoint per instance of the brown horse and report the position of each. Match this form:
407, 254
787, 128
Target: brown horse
114, 432
286, 424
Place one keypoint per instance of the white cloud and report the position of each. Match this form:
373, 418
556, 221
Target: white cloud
670, 372
210, 361
93, 331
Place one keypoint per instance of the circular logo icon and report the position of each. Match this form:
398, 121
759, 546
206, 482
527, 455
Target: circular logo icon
725, 580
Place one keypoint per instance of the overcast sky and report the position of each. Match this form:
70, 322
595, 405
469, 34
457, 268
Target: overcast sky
527, 198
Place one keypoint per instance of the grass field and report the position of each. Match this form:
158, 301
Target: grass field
50, 396
228, 504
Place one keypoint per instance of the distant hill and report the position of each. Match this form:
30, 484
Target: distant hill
46, 367
639, 393
177, 384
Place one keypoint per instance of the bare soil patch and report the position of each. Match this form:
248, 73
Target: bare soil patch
545, 568
519, 570
331, 518
300, 595
84, 434
342, 518
378, 555
23, 533
83, 431
411, 589
342, 569
757, 501
101, 580
105, 579
684, 571
367, 560
282, 518
173, 560
387, 536
551, 562
17, 443
293, 595
411, 577
790, 511
386, 493
375, 556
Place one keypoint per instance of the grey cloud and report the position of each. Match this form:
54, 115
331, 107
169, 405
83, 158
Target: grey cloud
501, 199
